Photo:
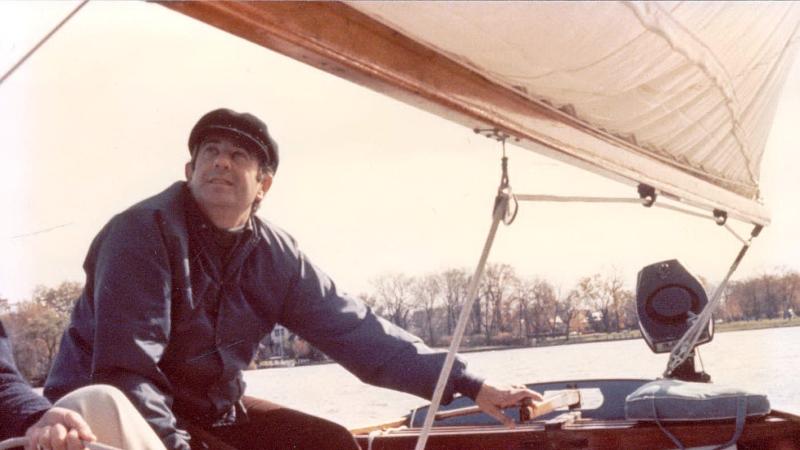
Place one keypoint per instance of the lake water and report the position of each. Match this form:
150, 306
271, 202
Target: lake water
766, 361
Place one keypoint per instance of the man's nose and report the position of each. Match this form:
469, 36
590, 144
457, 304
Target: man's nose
222, 160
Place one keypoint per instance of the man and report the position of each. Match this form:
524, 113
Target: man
183, 286
64, 426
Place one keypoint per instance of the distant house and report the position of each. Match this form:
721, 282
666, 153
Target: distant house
278, 340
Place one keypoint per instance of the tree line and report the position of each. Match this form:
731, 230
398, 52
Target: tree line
509, 310
514, 310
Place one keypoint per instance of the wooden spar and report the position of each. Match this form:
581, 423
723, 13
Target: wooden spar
345, 42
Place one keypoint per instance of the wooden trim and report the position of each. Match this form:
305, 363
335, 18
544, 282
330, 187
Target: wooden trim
768, 433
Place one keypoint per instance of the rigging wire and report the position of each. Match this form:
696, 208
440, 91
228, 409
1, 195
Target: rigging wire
41, 42
45, 230
683, 349
735, 234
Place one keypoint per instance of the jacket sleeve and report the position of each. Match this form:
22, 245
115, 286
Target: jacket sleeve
131, 288
375, 350
20, 407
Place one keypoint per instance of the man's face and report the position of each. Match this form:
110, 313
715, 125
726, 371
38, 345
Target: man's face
225, 175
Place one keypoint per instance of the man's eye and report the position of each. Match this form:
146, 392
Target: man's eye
241, 156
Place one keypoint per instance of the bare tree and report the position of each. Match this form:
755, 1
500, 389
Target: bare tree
769, 295
746, 295
372, 302
522, 300
539, 300
36, 333
60, 299
496, 287
588, 291
792, 291
428, 293
394, 296
786, 292
568, 308
454, 283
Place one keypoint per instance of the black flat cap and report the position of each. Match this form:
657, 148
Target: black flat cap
248, 128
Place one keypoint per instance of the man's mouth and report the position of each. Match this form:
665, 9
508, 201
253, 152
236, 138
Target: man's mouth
220, 181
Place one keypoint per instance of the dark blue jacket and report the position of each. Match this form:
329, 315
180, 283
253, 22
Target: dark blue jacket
20, 407
169, 325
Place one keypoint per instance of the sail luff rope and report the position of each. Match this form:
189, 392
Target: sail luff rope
41, 42
499, 212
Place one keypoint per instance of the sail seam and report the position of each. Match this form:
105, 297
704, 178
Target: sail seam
661, 23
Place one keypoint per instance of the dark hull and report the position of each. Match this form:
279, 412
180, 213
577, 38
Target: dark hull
772, 432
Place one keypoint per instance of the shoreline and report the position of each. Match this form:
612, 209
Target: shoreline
722, 327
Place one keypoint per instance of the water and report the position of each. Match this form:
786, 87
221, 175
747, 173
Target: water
766, 361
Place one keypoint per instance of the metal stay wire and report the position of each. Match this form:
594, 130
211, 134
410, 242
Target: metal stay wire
683, 349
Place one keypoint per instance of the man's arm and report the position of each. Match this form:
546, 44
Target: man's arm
377, 351
19, 405
348, 331
128, 301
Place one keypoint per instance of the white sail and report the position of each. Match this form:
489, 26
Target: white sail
679, 96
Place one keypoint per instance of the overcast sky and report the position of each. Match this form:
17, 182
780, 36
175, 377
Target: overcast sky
98, 119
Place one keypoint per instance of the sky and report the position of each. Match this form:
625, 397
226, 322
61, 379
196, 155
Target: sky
98, 119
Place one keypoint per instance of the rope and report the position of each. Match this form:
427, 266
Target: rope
373, 434
569, 199
41, 42
22, 441
584, 199
684, 347
735, 234
501, 206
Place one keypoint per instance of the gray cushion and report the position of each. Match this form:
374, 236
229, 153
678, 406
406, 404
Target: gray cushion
674, 400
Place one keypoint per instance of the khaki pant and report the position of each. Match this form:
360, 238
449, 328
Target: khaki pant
112, 417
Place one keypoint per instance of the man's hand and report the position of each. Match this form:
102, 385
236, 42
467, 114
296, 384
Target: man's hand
493, 398
59, 429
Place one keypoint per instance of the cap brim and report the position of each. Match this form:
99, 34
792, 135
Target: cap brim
252, 143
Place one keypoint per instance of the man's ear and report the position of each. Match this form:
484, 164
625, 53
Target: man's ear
188, 170
264, 185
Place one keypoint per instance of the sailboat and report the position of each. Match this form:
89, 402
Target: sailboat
675, 100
